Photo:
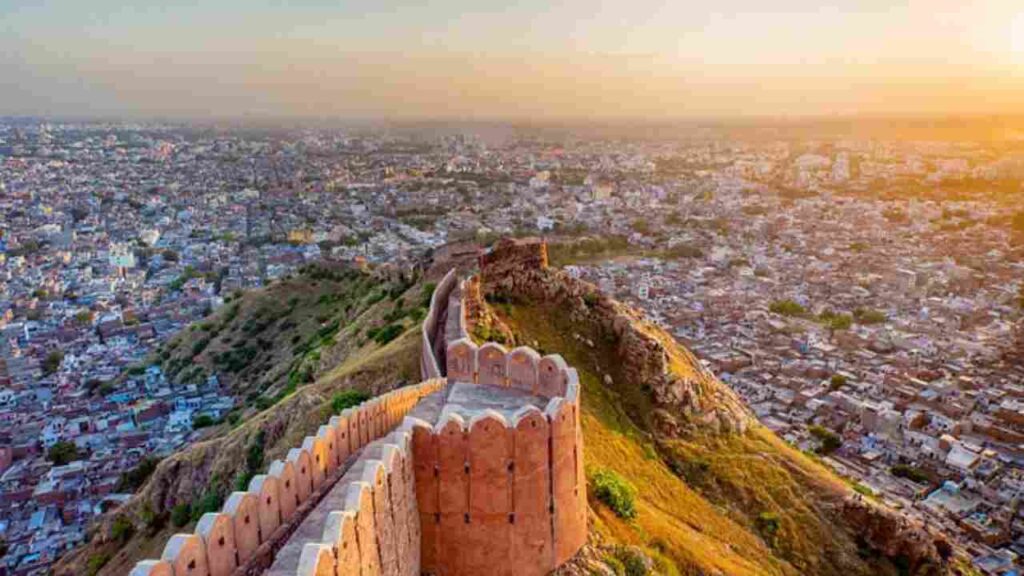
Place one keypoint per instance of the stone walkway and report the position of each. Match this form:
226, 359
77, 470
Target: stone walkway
464, 399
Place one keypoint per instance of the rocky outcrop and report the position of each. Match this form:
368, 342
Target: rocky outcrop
894, 536
683, 392
685, 396
481, 323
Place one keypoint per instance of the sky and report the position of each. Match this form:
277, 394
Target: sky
518, 60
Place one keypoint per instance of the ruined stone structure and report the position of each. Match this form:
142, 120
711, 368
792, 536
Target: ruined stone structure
480, 472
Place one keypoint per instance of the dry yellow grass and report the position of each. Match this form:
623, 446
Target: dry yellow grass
700, 497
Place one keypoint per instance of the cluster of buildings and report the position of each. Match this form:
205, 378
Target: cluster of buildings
887, 322
113, 239
833, 285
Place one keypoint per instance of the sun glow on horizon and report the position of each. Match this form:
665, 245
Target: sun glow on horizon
647, 58
1017, 36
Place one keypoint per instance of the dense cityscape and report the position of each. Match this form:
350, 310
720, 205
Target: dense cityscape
864, 297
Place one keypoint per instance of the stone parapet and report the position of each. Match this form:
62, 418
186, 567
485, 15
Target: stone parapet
487, 491
253, 522
434, 324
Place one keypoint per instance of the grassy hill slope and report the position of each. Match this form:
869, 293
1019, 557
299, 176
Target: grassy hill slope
701, 499
710, 498
345, 332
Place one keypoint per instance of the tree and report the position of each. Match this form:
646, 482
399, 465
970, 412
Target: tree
911, 473
52, 361
181, 514
63, 453
203, 421
787, 308
830, 441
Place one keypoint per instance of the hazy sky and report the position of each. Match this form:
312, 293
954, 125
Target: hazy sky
521, 59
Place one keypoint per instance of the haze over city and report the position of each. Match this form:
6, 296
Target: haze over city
457, 288
526, 60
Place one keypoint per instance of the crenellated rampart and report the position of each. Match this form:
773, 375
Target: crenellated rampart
253, 522
432, 340
502, 493
483, 475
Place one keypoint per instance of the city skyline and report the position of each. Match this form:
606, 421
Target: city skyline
651, 59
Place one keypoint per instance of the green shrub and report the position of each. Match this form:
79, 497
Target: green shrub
663, 565
203, 421
615, 492
787, 308
181, 514
199, 346
96, 563
836, 321
63, 453
132, 479
616, 565
153, 521
210, 502
388, 333
52, 362
910, 473
418, 314
830, 441
122, 529
426, 293
864, 490
347, 399
634, 561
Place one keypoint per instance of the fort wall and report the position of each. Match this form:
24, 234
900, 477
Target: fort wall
502, 495
434, 321
475, 491
252, 522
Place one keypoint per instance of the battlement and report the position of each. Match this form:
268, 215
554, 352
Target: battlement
253, 523
484, 474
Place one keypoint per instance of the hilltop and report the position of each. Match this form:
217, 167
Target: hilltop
716, 493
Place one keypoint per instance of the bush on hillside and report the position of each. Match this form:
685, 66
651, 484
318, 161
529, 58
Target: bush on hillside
633, 561
615, 492
122, 529
181, 514
133, 479
830, 441
787, 308
347, 399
